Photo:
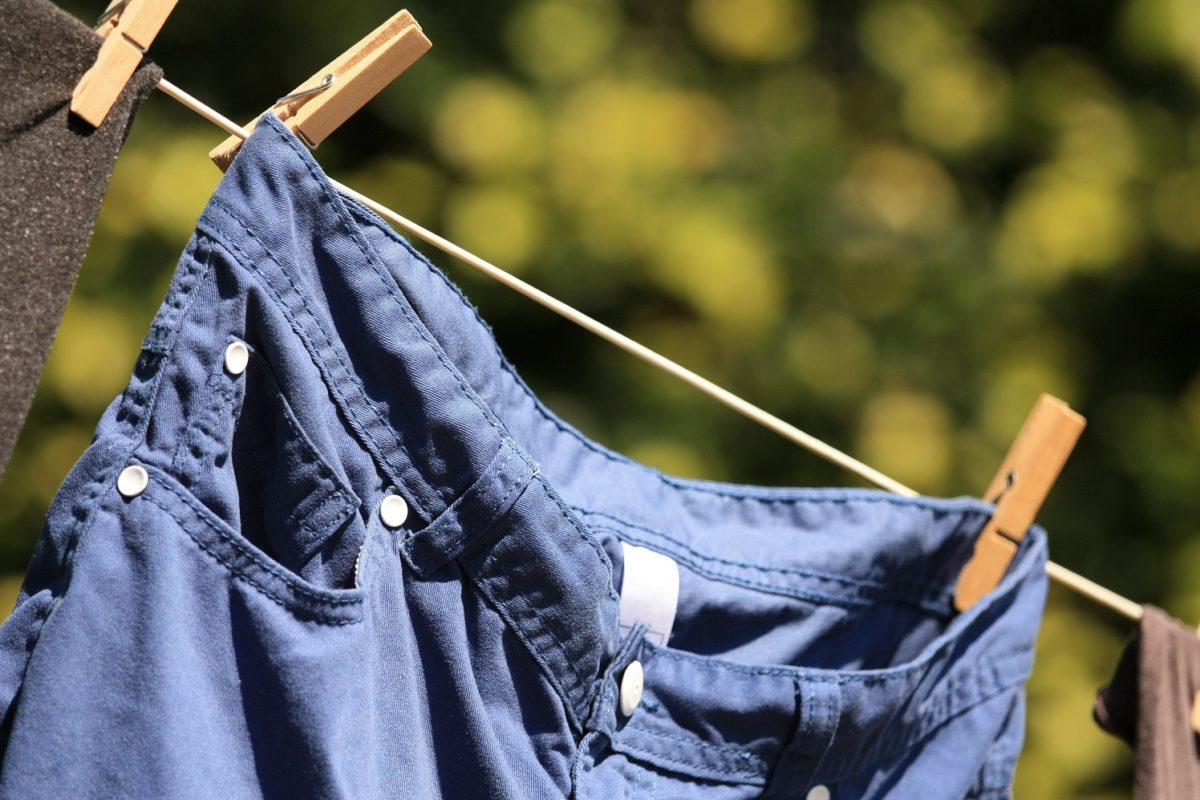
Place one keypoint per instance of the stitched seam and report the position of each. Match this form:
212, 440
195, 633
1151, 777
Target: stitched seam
490, 515
384, 276
584, 532
963, 694
732, 751
931, 597
831, 705
328, 478
789, 591
138, 398
300, 609
925, 588
239, 575
312, 525
600, 710
333, 386
659, 759
389, 285
202, 515
324, 471
514, 622
482, 526
84, 516
222, 393
578, 680
134, 400
812, 675
178, 302
741, 493
528, 611
129, 418
247, 262
960, 701
350, 207
746, 669
489, 560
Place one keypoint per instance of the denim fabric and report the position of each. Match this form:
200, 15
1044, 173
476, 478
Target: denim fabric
247, 626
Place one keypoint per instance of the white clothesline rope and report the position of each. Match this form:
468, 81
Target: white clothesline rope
1071, 580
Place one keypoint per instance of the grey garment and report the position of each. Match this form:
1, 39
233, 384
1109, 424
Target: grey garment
1148, 703
54, 169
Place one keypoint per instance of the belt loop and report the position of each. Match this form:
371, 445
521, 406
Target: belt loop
473, 513
820, 708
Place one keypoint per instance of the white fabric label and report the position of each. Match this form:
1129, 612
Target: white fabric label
649, 592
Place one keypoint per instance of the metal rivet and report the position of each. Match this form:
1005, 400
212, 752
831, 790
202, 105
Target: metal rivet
237, 356
631, 687
393, 511
133, 480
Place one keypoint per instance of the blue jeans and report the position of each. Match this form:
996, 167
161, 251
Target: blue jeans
250, 620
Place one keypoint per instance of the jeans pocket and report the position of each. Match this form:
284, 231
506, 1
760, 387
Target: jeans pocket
249, 460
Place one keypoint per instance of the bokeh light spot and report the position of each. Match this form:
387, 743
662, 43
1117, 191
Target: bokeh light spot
488, 127
1056, 224
722, 267
907, 434
903, 36
503, 224
752, 30
92, 356
179, 181
830, 353
1175, 209
956, 104
901, 191
563, 40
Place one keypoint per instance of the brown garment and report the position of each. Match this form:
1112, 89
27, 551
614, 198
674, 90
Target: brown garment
54, 169
1148, 703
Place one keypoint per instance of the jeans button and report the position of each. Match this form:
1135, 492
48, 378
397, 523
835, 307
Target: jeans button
237, 356
631, 687
133, 480
393, 511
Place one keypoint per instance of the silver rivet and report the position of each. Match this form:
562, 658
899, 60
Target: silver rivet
393, 511
818, 792
237, 356
631, 687
133, 480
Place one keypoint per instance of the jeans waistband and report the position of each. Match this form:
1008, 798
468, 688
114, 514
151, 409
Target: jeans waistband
521, 500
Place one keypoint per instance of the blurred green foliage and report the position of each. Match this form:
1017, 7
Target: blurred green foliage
892, 222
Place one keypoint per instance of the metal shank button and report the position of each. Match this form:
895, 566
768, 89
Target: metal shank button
237, 356
393, 511
133, 480
632, 682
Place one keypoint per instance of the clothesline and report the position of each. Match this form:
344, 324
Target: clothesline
1071, 580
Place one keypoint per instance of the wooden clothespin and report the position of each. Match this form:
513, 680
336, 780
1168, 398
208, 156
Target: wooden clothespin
128, 28
1018, 490
335, 93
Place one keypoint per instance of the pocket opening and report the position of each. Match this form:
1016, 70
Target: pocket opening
249, 459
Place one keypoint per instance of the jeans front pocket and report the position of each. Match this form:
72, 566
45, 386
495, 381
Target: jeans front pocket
248, 459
